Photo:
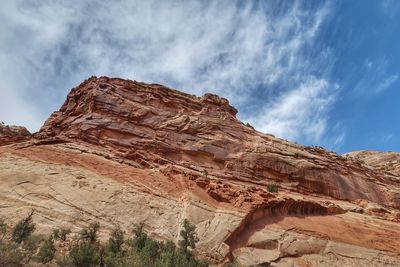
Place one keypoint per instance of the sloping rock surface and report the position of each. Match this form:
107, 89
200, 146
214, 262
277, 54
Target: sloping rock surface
124, 152
388, 162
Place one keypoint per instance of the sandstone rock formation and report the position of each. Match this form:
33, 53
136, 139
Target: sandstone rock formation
125, 152
388, 162
13, 134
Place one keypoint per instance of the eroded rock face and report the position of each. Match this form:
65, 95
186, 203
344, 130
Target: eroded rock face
388, 162
13, 134
123, 152
152, 125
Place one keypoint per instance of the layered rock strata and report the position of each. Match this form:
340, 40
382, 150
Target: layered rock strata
124, 152
13, 134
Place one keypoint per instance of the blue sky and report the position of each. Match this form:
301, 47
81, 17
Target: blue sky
323, 73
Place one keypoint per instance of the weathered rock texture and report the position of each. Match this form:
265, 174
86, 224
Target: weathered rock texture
13, 134
388, 162
124, 152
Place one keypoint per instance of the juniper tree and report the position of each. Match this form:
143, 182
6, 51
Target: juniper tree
23, 229
188, 235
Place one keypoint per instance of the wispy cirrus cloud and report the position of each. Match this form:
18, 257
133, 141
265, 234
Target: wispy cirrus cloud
376, 78
303, 106
262, 56
387, 83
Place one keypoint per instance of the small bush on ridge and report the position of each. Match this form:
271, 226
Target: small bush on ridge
23, 229
272, 188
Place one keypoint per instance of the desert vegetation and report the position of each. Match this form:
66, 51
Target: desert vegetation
20, 246
272, 188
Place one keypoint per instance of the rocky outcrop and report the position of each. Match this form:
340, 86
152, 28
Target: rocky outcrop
13, 134
388, 162
123, 152
151, 125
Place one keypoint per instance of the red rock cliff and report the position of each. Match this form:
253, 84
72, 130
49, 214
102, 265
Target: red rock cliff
123, 152
152, 125
13, 134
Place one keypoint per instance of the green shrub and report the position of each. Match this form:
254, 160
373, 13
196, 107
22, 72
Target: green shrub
85, 254
188, 235
114, 255
179, 258
3, 229
140, 238
168, 255
46, 251
64, 232
56, 234
140, 251
31, 245
11, 255
90, 233
64, 261
272, 188
150, 252
23, 229
189, 238
61, 233
115, 241
125, 259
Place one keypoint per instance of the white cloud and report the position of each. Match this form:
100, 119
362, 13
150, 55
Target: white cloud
386, 83
376, 79
299, 114
262, 56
